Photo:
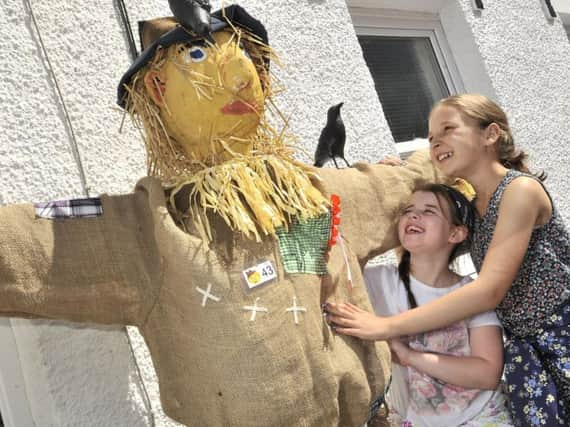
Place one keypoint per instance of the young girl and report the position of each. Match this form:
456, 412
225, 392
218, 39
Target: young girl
521, 249
446, 377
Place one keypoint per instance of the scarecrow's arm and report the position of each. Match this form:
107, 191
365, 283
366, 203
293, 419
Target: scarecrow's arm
86, 269
371, 196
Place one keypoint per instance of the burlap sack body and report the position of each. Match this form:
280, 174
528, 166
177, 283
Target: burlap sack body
133, 265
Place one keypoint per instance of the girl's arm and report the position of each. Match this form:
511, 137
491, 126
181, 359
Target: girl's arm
524, 205
481, 370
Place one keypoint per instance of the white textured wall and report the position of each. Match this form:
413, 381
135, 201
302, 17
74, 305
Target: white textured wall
85, 375
323, 65
74, 375
526, 58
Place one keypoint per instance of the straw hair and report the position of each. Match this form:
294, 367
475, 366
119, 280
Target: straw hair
254, 193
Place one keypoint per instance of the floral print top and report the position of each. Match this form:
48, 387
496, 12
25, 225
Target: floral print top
416, 399
428, 396
543, 281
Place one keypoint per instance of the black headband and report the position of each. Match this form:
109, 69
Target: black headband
462, 206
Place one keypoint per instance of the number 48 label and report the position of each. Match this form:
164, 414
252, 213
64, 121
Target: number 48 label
259, 274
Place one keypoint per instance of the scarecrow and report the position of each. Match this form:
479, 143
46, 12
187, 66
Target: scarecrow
223, 255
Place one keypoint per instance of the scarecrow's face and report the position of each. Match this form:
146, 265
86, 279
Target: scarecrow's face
206, 94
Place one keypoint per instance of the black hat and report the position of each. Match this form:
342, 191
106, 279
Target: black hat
166, 31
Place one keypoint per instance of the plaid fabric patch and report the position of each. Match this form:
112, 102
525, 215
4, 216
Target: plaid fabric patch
76, 208
303, 247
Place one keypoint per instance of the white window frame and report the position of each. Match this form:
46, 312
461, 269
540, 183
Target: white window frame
384, 22
562, 8
565, 18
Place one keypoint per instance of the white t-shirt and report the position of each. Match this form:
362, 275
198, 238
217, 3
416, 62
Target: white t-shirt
414, 396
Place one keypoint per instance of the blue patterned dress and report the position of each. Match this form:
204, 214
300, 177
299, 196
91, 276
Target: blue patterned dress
536, 316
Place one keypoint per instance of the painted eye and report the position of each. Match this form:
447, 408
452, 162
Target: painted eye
196, 54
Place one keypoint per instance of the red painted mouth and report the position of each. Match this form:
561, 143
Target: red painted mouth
238, 107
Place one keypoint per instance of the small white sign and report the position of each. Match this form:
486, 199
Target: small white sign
259, 274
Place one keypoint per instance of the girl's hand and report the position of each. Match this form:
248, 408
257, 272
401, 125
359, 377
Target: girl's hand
401, 352
392, 161
348, 319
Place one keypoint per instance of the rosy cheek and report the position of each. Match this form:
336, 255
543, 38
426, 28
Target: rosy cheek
401, 227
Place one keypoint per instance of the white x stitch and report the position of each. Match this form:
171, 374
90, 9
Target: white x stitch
207, 294
296, 309
254, 309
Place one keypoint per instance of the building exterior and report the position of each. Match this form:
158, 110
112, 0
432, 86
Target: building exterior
60, 63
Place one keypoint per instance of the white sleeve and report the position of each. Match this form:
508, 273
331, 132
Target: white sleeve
488, 318
381, 284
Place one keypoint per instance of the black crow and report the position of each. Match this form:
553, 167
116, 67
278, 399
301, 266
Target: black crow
194, 15
331, 141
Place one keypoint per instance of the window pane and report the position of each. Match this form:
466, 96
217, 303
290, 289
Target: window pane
408, 81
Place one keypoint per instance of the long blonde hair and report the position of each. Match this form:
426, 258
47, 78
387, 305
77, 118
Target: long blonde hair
484, 111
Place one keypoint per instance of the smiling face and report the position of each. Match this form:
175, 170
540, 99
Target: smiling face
208, 94
425, 224
456, 142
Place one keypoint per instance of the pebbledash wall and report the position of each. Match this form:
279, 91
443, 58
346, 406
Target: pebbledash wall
58, 116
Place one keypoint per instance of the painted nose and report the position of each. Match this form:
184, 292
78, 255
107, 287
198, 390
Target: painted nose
237, 75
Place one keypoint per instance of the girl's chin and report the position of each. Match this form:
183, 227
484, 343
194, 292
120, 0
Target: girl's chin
411, 244
446, 169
